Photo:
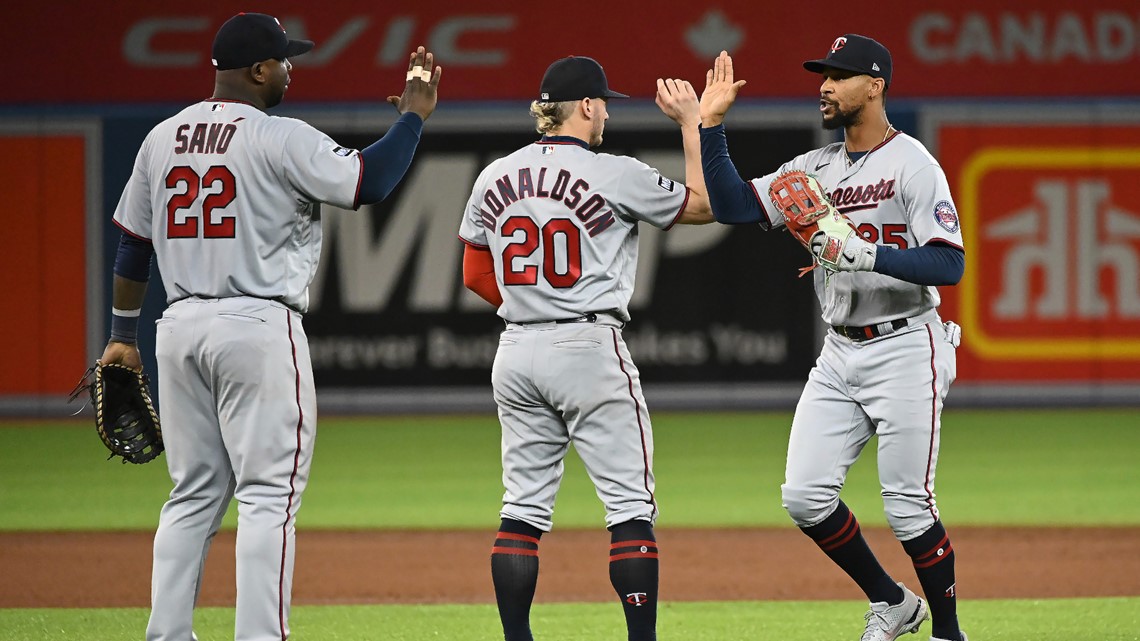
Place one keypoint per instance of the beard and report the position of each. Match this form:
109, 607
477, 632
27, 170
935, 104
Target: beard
843, 119
275, 92
596, 135
273, 96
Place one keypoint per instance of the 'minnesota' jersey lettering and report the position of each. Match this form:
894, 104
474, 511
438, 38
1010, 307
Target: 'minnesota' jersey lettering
895, 195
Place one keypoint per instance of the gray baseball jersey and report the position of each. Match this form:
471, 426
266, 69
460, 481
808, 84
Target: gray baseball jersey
561, 222
227, 195
896, 195
893, 385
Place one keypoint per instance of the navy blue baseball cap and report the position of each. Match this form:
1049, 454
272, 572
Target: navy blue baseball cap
853, 52
249, 38
574, 78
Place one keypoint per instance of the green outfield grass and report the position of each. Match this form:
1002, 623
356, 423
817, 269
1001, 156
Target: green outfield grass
1025, 620
1004, 467
1063, 467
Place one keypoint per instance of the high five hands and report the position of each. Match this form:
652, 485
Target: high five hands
678, 100
674, 97
422, 84
720, 91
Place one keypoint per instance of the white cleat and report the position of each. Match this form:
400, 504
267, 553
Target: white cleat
889, 622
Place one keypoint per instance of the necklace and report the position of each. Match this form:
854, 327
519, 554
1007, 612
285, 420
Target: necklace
886, 134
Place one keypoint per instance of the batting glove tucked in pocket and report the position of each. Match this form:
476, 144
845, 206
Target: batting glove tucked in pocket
953, 333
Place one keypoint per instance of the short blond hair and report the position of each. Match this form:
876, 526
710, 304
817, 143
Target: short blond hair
549, 116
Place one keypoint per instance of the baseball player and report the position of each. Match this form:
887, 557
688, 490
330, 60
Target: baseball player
228, 198
551, 240
888, 360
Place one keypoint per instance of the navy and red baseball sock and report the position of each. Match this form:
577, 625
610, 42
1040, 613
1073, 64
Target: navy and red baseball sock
634, 575
514, 571
933, 559
841, 539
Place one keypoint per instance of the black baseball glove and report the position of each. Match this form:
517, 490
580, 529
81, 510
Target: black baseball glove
124, 414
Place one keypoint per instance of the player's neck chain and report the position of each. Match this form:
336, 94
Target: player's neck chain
886, 134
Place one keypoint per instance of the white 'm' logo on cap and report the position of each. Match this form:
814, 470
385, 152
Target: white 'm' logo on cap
839, 43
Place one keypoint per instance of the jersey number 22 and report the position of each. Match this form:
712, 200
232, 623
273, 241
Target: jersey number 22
185, 177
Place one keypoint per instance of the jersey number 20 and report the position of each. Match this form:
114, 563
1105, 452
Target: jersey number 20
186, 177
557, 231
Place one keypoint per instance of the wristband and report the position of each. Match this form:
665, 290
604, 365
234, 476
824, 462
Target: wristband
124, 325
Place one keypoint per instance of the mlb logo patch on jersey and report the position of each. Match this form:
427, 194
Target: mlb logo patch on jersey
217, 106
343, 151
946, 216
547, 150
664, 183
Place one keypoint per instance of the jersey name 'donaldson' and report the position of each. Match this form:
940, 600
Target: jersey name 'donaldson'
571, 191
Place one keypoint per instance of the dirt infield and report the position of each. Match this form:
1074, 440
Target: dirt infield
113, 569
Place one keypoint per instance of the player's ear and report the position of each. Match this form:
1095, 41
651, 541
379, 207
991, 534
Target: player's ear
258, 73
876, 87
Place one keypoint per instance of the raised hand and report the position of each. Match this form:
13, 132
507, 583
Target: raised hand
678, 100
720, 91
421, 87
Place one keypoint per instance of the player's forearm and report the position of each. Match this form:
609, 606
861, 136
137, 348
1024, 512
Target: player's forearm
479, 274
127, 293
731, 198
126, 302
698, 211
932, 264
387, 160
133, 257
132, 270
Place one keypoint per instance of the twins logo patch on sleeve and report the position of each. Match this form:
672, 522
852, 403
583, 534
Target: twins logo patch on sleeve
946, 216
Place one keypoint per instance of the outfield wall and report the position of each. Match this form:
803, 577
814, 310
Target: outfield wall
1046, 195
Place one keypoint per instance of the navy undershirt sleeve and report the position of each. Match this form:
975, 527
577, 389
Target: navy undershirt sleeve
932, 264
387, 160
733, 200
132, 260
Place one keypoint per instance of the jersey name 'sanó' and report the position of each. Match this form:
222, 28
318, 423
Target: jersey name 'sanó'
227, 194
561, 224
895, 195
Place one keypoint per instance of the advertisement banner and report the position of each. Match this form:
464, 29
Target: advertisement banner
1051, 224
711, 303
144, 51
44, 178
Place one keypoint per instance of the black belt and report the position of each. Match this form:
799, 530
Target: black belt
870, 331
281, 299
278, 299
591, 317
